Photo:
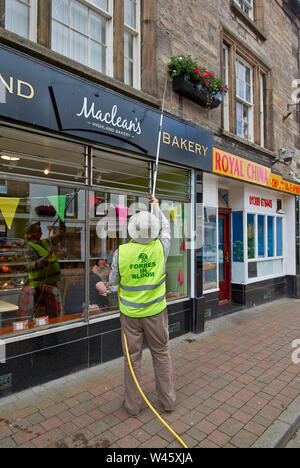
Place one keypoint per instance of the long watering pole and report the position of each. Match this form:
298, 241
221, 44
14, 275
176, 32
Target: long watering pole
159, 140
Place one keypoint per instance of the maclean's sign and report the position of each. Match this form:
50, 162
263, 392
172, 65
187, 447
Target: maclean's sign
42, 95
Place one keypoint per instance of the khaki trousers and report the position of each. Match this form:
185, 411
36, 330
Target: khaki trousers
155, 330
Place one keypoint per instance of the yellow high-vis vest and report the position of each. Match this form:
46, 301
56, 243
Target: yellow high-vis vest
143, 279
49, 274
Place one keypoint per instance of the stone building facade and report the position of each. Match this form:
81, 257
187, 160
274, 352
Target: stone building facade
81, 94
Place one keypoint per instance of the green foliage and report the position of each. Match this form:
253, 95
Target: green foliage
180, 65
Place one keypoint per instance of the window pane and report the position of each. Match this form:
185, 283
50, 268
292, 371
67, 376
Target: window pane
261, 235
237, 247
210, 249
128, 72
221, 250
128, 45
60, 39
265, 268
97, 28
79, 17
41, 157
270, 236
237, 237
130, 13
239, 119
80, 32
100, 3
248, 93
98, 57
79, 48
110, 214
60, 10
247, 75
17, 17
279, 237
111, 171
251, 248
173, 182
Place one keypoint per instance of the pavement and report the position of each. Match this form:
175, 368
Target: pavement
237, 387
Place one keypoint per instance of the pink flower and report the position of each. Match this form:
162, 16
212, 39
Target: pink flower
197, 70
213, 74
202, 74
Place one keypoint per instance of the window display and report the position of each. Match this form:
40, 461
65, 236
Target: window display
60, 224
110, 214
42, 257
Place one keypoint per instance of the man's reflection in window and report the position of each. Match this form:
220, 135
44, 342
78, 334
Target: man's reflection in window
43, 272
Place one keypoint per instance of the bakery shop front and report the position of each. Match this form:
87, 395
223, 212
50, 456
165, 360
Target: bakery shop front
76, 161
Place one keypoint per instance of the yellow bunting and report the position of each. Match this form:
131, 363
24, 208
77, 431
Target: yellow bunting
174, 214
8, 207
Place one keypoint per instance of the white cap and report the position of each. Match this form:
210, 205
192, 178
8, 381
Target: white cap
144, 227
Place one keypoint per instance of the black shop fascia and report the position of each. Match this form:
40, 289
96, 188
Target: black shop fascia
41, 95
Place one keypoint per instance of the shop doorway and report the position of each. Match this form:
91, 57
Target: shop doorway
224, 256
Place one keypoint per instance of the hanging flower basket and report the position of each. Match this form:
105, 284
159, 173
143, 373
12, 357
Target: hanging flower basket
196, 93
196, 83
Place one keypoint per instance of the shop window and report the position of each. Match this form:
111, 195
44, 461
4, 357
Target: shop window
210, 249
238, 246
21, 17
82, 30
237, 237
132, 42
279, 237
116, 172
173, 182
251, 236
268, 243
109, 216
261, 235
270, 236
42, 266
32, 155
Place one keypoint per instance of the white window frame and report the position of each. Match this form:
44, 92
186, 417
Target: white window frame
265, 258
108, 16
136, 34
261, 111
225, 65
245, 5
32, 8
244, 102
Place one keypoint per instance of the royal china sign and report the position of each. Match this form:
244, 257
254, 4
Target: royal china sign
38, 94
233, 166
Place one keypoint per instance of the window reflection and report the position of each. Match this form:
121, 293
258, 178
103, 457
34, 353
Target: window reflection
110, 214
42, 259
210, 249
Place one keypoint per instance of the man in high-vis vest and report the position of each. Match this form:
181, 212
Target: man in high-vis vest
44, 272
139, 268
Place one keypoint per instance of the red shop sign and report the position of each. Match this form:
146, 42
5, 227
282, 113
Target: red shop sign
262, 202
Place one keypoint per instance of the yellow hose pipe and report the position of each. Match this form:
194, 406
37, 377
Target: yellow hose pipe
145, 398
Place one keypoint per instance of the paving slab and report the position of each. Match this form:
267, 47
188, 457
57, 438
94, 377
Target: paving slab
236, 385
